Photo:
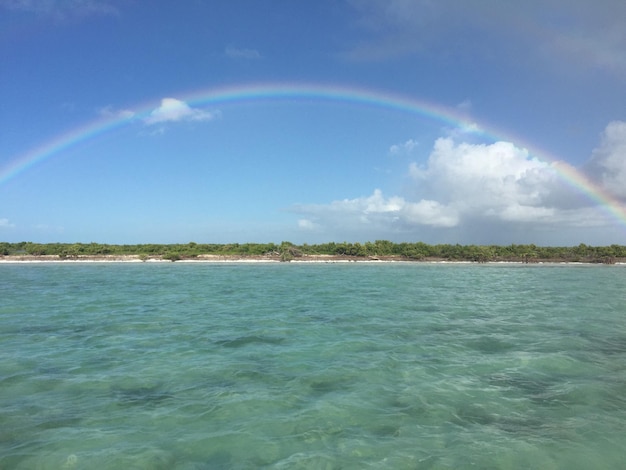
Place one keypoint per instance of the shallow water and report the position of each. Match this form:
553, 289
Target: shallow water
316, 366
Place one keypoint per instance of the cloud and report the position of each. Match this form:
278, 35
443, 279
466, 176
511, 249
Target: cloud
589, 33
463, 130
483, 179
582, 32
403, 149
465, 105
110, 112
377, 212
306, 224
238, 53
500, 182
5, 223
608, 162
487, 191
173, 110
61, 9
392, 26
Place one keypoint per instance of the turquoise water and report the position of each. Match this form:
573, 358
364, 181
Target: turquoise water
316, 366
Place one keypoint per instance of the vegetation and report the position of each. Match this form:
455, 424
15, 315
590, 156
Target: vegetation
287, 251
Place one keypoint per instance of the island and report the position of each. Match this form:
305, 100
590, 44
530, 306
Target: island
377, 251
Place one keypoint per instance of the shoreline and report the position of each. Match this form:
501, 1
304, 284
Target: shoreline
336, 259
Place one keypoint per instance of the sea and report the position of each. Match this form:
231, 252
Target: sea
312, 366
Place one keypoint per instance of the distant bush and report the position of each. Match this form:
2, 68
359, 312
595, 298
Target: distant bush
287, 251
172, 256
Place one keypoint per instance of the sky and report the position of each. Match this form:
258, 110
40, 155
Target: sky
448, 121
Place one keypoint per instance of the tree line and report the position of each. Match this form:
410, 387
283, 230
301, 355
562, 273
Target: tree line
286, 251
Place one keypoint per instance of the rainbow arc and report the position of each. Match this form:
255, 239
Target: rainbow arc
279, 91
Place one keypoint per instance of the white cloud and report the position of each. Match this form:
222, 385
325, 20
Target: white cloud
520, 213
173, 110
608, 162
428, 212
483, 179
306, 224
493, 192
498, 181
239, 53
5, 223
110, 112
377, 213
463, 130
405, 148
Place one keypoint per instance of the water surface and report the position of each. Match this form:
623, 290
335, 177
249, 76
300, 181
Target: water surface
351, 366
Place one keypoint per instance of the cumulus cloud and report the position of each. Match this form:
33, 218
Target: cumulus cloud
487, 190
483, 179
608, 162
173, 110
242, 53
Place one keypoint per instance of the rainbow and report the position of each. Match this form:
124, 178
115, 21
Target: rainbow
277, 91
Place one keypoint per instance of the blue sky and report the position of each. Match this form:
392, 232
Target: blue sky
527, 143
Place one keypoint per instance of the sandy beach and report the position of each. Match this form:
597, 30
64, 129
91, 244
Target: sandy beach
196, 259
207, 258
